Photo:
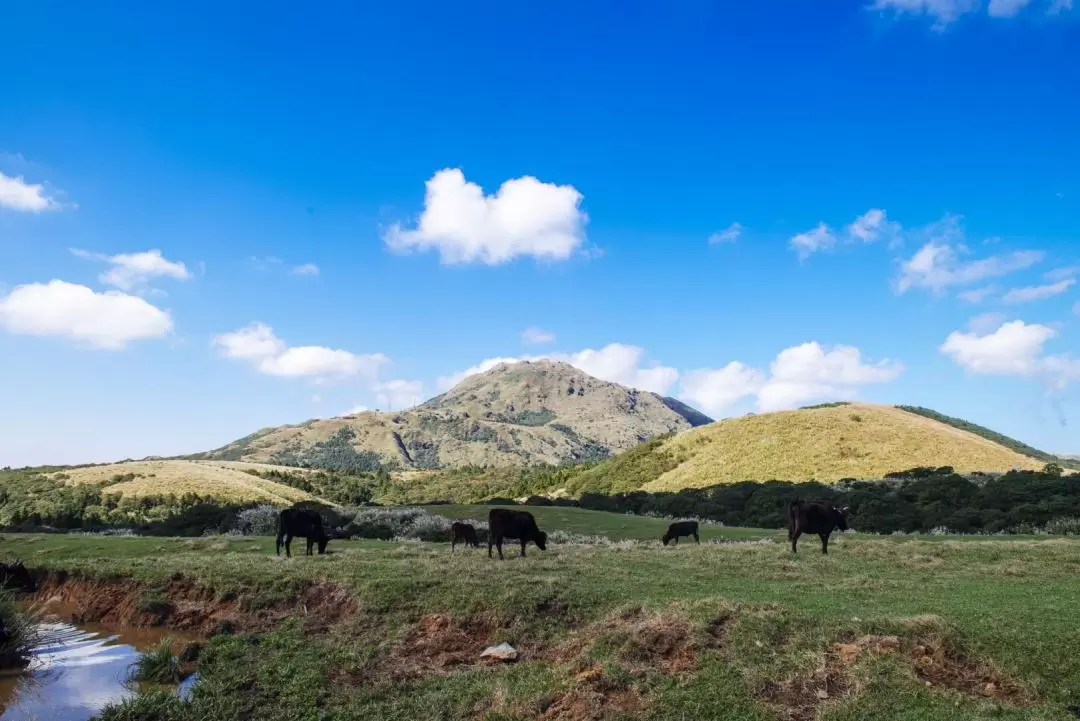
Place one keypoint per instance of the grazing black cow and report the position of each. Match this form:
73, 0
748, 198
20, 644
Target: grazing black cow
304, 524
819, 518
15, 575
507, 523
681, 528
465, 533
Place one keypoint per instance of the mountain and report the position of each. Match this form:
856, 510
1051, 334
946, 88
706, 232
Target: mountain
826, 444
531, 412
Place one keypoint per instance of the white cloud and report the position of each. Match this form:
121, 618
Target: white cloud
1038, 292
808, 372
729, 235
355, 410
1064, 273
946, 11
1013, 349
977, 295
525, 217
812, 241
715, 390
615, 362
874, 225
306, 269
398, 394
102, 320
937, 266
1006, 8
537, 336
986, 322
17, 194
257, 345
132, 271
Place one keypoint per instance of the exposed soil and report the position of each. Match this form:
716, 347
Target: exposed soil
184, 605
440, 643
593, 696
798, 698
938, 665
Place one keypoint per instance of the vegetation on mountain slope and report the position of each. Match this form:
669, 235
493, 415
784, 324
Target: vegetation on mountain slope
518, 414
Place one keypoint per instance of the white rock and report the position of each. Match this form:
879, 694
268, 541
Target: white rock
502, 652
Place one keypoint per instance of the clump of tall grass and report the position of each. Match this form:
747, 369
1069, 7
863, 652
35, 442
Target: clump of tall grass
16, 634
158, 665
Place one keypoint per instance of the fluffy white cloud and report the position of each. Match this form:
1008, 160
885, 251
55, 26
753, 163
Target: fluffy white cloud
615, 362
986, 322
130, 271
977, 295
812, 241
808, 372
398, 394
257, 344
525, 217
874, 225
716, 390
306, 269
937, 266
729, 235
17, 194
537, 336
1065, 273
102, 320
1013, 349
1038, 292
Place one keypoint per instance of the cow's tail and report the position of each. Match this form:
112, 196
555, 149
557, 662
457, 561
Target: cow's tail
792, 514
280, 535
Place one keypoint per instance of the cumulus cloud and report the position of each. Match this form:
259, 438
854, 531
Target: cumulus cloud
938, 266
729, 235
537, 336
1038, 292
17, 194
812, 241
1013, 349
874, 225
809, 372
257, 345
306, 269
615, 362
399, 394
977, 295
108, 320
131, 271
716, 390
525, 217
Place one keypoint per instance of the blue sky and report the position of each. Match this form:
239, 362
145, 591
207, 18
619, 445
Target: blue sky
751, 206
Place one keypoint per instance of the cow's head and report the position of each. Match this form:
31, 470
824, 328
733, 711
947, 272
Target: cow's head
541, 540
666, 539
841, 517
322, 545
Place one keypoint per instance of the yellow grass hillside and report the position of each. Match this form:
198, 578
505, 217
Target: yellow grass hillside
221, 479
826, 444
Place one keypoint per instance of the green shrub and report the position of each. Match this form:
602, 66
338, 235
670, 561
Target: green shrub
158, 665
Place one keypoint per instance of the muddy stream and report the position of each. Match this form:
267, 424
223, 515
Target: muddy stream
76, 670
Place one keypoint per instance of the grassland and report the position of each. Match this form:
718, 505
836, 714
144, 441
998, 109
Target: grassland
983, 628
225, 480
826, 444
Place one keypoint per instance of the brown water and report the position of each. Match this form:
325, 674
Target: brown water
76, 671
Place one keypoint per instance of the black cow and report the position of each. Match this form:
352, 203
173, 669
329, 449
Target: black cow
15, 575
465, 533
811, 517
681, 528
507, 523
304, 524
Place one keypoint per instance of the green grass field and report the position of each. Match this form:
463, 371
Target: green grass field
984, 628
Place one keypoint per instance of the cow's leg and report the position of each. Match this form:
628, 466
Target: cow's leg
696, 539
523, 542
795, 540
453, 543
310, 546
288, 545
498, 546
491, 541
280, 540
824, 543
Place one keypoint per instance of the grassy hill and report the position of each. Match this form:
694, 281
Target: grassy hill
222, 480
528, 413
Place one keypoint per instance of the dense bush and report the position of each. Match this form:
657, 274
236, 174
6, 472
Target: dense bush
16, 634
413, 524
258, 521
